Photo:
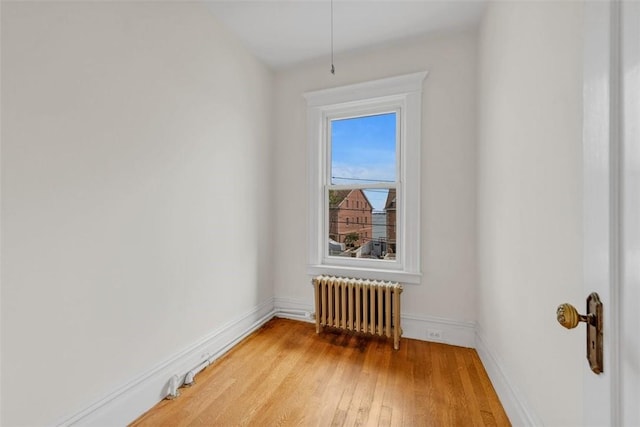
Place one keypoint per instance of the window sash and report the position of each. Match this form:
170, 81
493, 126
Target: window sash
363, 262
389, 107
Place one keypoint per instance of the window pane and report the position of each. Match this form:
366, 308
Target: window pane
363, 149
365, 232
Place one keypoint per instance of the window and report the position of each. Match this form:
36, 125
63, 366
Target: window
364, 152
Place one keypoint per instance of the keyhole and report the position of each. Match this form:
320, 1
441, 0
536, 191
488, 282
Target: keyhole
593, 345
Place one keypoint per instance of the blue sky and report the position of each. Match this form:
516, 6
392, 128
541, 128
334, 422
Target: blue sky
363, 149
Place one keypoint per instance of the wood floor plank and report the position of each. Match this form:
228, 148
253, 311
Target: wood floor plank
467, 372
486, 389
287, 375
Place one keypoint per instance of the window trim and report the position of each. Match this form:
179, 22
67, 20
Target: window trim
403, 92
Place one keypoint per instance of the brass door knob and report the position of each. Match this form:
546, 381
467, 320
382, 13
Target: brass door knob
569, 317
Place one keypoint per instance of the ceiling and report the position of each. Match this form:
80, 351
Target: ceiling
283, 33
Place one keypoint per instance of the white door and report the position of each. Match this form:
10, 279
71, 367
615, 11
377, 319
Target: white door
629, 338
612, 205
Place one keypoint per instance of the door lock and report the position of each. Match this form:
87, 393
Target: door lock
569, 317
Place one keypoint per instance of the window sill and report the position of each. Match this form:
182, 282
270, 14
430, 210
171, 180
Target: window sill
366, 273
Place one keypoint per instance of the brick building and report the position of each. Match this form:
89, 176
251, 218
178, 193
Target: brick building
350, 214
390, 210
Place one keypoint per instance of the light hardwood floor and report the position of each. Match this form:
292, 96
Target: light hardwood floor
286, 375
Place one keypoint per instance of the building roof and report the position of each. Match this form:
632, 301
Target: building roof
336, 197
391, 199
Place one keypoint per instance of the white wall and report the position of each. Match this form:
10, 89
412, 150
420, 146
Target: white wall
529, 200
136, 196
448, 163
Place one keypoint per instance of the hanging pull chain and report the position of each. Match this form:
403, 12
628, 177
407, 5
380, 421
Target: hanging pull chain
333, 69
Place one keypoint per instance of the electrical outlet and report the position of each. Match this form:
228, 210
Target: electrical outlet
434, 334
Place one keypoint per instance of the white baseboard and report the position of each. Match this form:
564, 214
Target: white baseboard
454, 332
413, 326
513, 402
128, 402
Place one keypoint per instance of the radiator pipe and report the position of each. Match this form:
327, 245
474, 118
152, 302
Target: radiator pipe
190, 378
296, 313
174, 383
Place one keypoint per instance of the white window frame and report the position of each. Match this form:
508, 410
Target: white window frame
402, 94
